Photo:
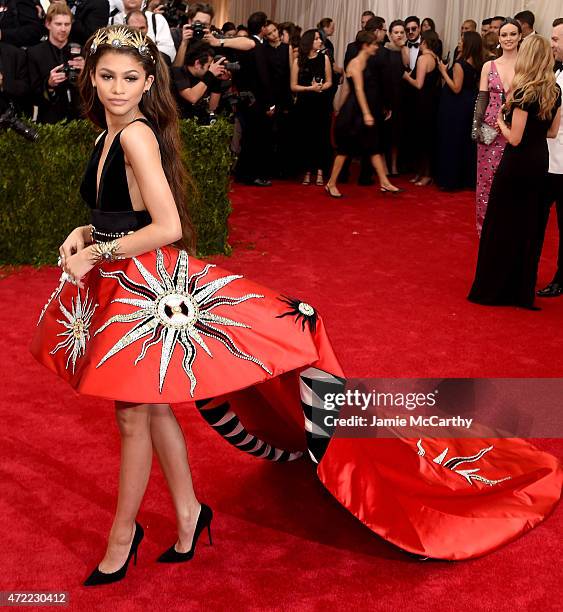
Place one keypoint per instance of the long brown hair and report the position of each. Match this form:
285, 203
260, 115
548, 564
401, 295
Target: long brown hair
159, 107
472, 49
534, 79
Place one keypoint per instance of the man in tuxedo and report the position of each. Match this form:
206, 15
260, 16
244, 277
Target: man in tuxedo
554, 183
19, 23
412, 28
255, 112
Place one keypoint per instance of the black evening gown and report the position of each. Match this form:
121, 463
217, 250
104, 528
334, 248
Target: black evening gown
312, 115
456, 152
394, 83
352, 136
426, 118
509, 249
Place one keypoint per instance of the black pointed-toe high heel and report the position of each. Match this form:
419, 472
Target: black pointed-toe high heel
203, 521
97, 577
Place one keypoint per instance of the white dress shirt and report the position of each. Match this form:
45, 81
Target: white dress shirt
413, 53
555, 145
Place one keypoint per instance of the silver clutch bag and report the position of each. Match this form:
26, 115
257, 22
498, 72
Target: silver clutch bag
488, 134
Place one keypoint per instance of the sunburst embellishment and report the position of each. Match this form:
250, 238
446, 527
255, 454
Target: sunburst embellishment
176, 310
77, 328
301, 311
454, 462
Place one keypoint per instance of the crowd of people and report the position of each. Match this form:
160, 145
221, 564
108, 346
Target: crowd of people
276, 80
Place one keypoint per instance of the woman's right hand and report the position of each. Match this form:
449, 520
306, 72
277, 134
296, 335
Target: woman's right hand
316, 86
368, 119
74, 243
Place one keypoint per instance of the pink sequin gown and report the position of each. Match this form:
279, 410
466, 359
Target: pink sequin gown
489, 156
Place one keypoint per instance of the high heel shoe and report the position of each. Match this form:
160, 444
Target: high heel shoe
332, 195
203, 521
97, 577
394, 191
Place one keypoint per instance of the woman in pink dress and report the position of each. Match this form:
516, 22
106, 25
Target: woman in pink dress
496, 80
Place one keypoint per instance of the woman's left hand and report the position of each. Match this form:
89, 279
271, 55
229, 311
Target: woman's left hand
443, 68
78, 265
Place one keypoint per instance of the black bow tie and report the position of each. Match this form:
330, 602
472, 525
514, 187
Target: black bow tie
413, 44
558, 66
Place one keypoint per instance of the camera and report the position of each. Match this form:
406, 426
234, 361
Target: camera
230, 66
10, 120
198, 29
70, 73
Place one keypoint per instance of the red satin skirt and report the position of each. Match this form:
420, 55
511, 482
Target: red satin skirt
166, 327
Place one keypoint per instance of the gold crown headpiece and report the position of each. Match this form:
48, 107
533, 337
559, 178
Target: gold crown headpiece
120, 37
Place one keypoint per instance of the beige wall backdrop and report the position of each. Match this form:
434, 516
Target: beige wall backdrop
448, 14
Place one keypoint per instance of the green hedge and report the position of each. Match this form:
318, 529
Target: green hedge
39, 182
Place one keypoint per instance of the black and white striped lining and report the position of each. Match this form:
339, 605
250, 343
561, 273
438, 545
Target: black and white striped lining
314, 385
227, 424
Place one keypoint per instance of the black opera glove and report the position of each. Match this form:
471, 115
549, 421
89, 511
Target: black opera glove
478, 114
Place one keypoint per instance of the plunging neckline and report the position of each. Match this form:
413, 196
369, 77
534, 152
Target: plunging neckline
504, 90
104, 165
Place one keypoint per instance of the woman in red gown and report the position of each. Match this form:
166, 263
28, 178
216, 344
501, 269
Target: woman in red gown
137, 319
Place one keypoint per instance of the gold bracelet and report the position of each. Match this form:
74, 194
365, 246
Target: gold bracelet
106, 251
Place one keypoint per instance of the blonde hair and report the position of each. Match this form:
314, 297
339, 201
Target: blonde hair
56, 9
534, 79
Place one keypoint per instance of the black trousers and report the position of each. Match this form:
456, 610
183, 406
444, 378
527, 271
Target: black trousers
553, 193
255, 156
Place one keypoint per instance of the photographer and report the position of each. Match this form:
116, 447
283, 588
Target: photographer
158, 28
19, 23
89, 16
198, 80
54, 67
198, 27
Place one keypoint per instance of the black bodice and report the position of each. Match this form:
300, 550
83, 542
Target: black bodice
111, 209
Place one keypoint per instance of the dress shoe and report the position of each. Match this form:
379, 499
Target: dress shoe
203, 520
97, 577
331, 193
552, 290
260, 182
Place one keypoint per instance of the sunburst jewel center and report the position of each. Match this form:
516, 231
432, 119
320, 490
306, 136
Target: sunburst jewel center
177, 310
78, 329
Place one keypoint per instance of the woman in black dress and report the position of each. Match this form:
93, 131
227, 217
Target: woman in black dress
457, 154
510, 243
359, 124
311, 80
426, 78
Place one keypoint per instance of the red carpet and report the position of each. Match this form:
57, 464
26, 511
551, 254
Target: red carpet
390, 275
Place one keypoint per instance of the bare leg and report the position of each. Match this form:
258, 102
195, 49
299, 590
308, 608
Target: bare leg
336, 169
394, 160
170, 446
136, 458
380, 168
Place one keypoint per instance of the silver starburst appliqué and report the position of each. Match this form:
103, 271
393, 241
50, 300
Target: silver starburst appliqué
454, 462
176, 309
77, 328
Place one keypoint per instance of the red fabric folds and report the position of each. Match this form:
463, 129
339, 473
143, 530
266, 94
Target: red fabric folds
434, 511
